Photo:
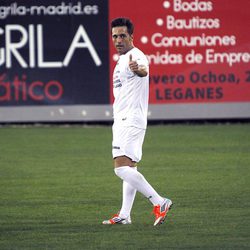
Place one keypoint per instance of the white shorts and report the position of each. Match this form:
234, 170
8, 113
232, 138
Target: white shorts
128, 141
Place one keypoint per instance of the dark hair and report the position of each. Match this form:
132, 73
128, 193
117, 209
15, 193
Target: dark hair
123, 21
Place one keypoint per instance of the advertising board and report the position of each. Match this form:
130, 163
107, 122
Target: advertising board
57, 58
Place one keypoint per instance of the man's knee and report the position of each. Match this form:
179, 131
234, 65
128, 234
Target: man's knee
122, 161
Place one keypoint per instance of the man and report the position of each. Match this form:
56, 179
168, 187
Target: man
131, 91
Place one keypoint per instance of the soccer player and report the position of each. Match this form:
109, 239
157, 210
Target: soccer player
131, 91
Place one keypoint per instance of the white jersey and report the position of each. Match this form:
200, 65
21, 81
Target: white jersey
131, 92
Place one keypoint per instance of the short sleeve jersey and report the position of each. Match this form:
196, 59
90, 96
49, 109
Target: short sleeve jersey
131, 92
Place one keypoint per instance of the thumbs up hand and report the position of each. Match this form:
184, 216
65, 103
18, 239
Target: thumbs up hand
133, 65
140, 71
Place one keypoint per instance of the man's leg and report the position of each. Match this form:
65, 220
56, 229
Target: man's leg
127, 145
136, 179
128, 197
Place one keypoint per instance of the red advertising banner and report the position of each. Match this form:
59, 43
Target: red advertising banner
199, 51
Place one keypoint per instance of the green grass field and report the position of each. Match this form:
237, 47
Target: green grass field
57, 185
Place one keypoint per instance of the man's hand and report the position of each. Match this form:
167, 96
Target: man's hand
134, 67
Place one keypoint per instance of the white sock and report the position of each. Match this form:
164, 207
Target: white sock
128, 197
137, 180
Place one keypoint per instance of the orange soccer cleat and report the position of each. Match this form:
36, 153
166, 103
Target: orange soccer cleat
161, 211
